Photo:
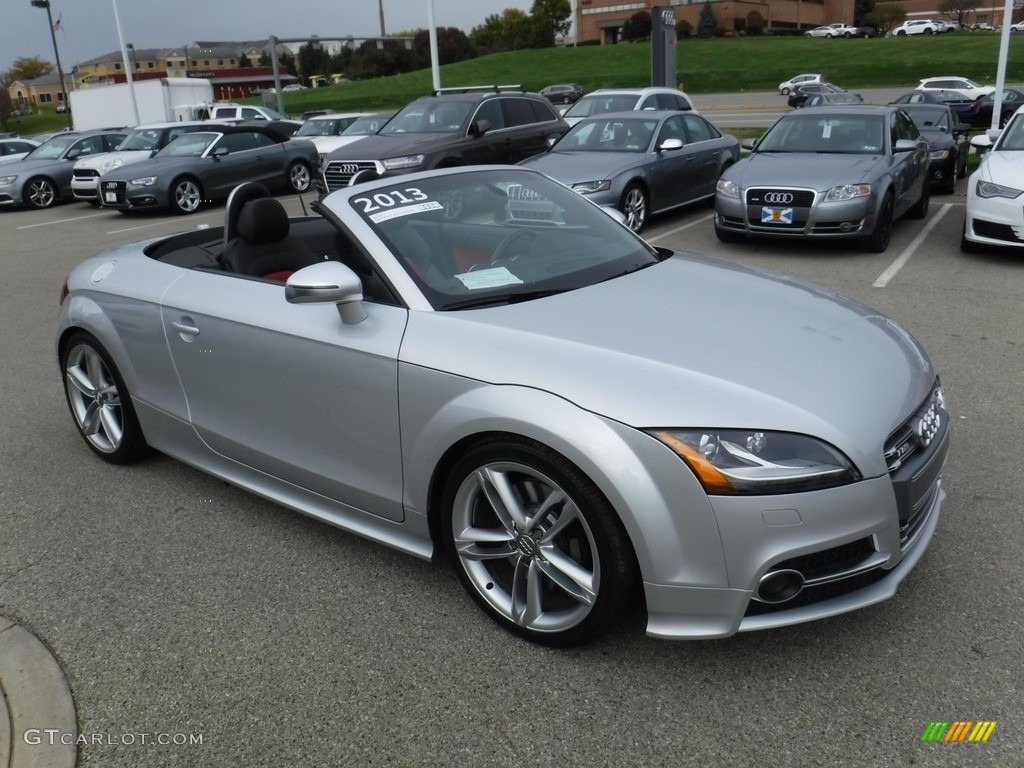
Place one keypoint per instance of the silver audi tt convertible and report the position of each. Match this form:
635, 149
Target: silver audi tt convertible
482, 364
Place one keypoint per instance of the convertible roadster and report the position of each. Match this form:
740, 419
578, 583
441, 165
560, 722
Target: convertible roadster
481, 363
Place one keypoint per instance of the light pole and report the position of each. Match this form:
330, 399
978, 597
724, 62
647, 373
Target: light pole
60, 71
127, 70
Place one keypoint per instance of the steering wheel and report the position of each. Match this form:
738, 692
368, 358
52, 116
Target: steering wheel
504, 251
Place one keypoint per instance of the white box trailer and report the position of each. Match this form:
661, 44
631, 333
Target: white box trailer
168, 99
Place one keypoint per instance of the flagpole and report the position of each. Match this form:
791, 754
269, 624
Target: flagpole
56, 54
127, 69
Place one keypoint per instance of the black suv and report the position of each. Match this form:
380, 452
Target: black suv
452, 127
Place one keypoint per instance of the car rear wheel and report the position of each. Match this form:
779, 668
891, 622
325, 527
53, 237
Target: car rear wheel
40, 192
99, 401
634, 206
535, 543
186, 196
878, 240
299, 177
901, 33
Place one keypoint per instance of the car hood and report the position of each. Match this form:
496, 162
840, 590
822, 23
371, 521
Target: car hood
97, 162
939, 139
1002, 168
153, 166
376, 147
570, 167
28, 165
327, 144
693, 342
819, 170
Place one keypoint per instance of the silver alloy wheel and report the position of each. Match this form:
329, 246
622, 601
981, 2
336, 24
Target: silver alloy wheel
526, 547
299, 177
94, 398
41, 193
187, 197
634, 206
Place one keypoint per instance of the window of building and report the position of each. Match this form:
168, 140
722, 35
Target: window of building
45, 98
150, 65
116, 65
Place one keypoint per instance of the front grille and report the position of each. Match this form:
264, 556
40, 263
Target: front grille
801, 198
995, 231
915, 454
85, 173
819, 565
113, 192
338, 173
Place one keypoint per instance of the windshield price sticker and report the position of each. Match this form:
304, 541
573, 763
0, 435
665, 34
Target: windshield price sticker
382, 206
493, 277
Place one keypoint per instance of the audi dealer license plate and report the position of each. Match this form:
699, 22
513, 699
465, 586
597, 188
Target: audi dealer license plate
110, 197
776, 215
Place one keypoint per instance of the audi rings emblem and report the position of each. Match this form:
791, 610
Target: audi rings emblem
779, 198
349, 168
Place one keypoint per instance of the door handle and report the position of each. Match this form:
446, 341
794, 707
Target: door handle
185, 330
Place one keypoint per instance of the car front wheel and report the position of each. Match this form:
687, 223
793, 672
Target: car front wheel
40, 192
535, 543
634, 206
186, 196
99, 401
299, 177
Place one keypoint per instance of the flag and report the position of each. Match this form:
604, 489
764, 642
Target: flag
57, 25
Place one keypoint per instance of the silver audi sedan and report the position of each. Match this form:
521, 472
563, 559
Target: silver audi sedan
479, 364
837, 172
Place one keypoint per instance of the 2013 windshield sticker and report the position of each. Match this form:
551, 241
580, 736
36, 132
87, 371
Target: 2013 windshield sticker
381, 206
492, 277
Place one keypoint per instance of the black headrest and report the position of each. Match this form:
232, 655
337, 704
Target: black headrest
239, 196
263, 221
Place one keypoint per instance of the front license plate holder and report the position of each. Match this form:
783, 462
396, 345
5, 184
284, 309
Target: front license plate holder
110, 197
771, 215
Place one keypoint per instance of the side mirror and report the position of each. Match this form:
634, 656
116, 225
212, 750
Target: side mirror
905, 145
479, 127
615, 213
749, 144
983, 142
73, 154
220, 152
962, 128
670, 144
328, 282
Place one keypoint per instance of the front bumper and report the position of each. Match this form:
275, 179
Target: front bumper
121, 196
994, 220
805, 214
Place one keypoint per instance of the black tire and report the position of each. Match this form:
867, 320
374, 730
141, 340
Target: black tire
300, 178
785, 91
728, 236
949, 186
635, 205
929, 31
503, 556
919, 210
99, 401
186, 196
878, 240
901, 33
40, 192
847, 34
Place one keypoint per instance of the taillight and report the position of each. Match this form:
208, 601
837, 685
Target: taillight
64, 291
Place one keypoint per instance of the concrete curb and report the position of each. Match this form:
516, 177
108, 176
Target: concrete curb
34, 698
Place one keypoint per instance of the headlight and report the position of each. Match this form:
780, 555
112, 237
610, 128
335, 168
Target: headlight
940, 154
8, 179
589, 187
409, 161
753, 462
847, 192
728, 188
988, 189
114, 164
145, 181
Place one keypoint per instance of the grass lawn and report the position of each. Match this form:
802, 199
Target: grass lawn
720, 65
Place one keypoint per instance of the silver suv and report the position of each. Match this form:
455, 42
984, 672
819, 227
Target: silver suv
606, 100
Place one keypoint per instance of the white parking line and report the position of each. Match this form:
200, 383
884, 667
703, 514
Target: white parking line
62, 221
685, 226
903, 258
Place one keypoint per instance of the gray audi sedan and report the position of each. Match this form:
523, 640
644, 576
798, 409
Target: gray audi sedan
830, 173
641, 163
478, 364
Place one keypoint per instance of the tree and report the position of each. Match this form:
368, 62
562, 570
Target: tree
29, 68
245, 61
707, 24
957, 10
886, 16
6, 102
637, 26
550, 18
452, 45
861, 10
313, 60
509, 31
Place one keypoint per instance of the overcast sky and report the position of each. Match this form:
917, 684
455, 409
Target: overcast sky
88, 28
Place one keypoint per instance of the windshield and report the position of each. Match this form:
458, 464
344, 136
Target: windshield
1012, 137
498, 236
365, 126
52, 149
190, 145
325, 126
930, 119
429, 117
598, 104
609, 135
845, 134
142, 140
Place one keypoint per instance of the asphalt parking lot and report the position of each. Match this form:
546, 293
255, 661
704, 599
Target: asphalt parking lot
180, 605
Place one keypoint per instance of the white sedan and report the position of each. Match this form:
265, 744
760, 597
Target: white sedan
787, 86
995, 191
